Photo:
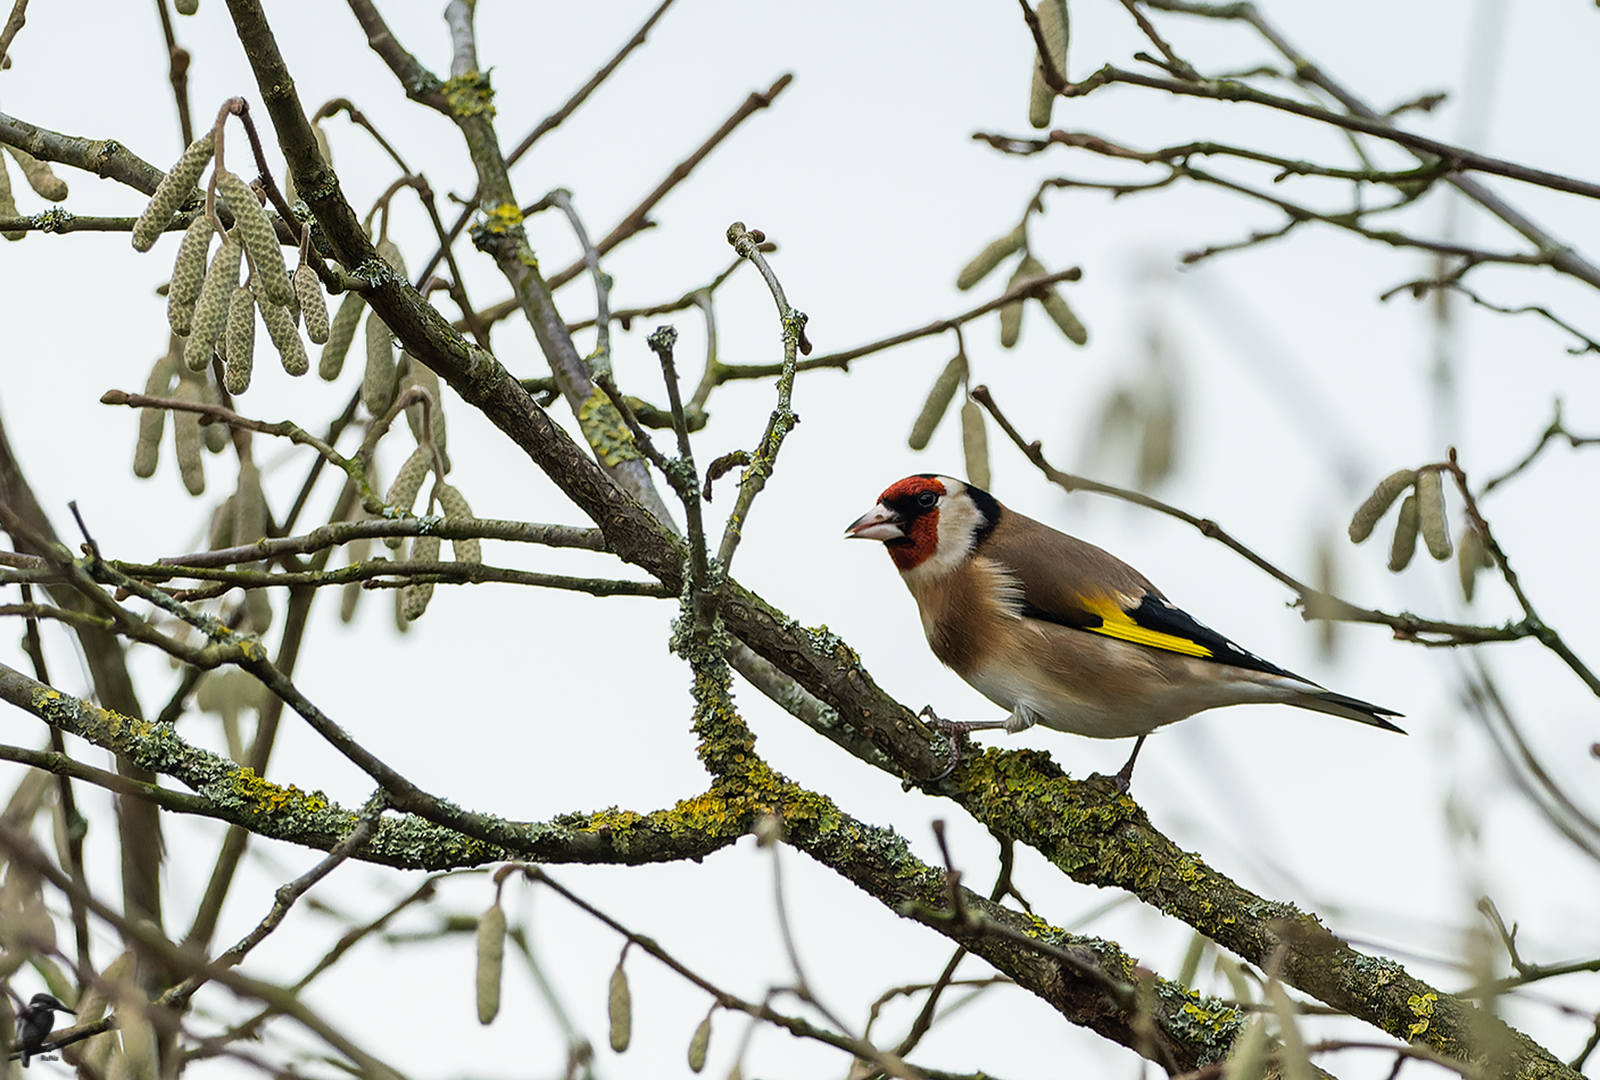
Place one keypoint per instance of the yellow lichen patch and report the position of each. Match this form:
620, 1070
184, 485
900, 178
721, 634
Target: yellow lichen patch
499, 218
605, 430
470, 94
270, 798
1422, 1008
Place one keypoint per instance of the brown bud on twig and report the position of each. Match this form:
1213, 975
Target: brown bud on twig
991, 257
341, 332
171, 192
1404, 544
1383, 496
938, 403
491, 961
1430, 514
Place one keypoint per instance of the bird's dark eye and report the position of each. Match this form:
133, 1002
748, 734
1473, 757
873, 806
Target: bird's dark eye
927, 500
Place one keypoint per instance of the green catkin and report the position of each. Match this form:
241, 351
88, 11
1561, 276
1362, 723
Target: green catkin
250, 506
400, 622
186, 7
938, 403
260, 239
414, 598
1430, 514
41, 178
139, 1054
990, 257
186, 440
217, 437
491, 961
350, 596
407, 483
285, 338
1294, 1059
1471, 556
8, 202
171, 193
222, 530
619, 1007
389, 252
188, 271
152, 422
454, 505
313, 309
420, 375
341, 332
1052, 302
1404, 544
1378, 503
1055, 305
699, 1044
379, 383
211, 310
1011, 314
241, 337
1053, 27
1248, 1058
975, 444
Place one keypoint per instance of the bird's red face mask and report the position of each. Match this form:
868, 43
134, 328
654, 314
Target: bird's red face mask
906, 519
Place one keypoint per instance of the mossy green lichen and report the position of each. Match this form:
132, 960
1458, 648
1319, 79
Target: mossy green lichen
470, 94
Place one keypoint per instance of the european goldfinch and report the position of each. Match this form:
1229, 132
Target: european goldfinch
1060, 632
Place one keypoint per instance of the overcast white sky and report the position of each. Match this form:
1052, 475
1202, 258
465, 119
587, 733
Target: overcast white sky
1299, 391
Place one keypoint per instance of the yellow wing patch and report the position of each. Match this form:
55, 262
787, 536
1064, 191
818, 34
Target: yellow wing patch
1117, 623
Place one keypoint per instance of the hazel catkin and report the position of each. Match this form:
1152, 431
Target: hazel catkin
171, 192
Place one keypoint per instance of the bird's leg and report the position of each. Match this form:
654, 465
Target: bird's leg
1124, 776
954, 730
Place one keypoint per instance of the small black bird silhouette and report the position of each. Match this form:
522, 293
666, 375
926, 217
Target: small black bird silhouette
34, 1022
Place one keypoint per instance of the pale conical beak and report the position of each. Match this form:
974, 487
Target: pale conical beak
879, 523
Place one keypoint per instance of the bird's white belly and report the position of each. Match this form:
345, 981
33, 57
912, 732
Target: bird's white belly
1056, 706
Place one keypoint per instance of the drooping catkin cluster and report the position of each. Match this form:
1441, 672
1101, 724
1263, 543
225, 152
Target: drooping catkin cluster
1054, 304
341, 332
260, 239
211, 310
1422, 513
172, 192
1053, 27
170, 378
207, 305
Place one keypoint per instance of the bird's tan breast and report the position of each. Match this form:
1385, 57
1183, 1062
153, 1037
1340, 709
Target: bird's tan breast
969, 614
